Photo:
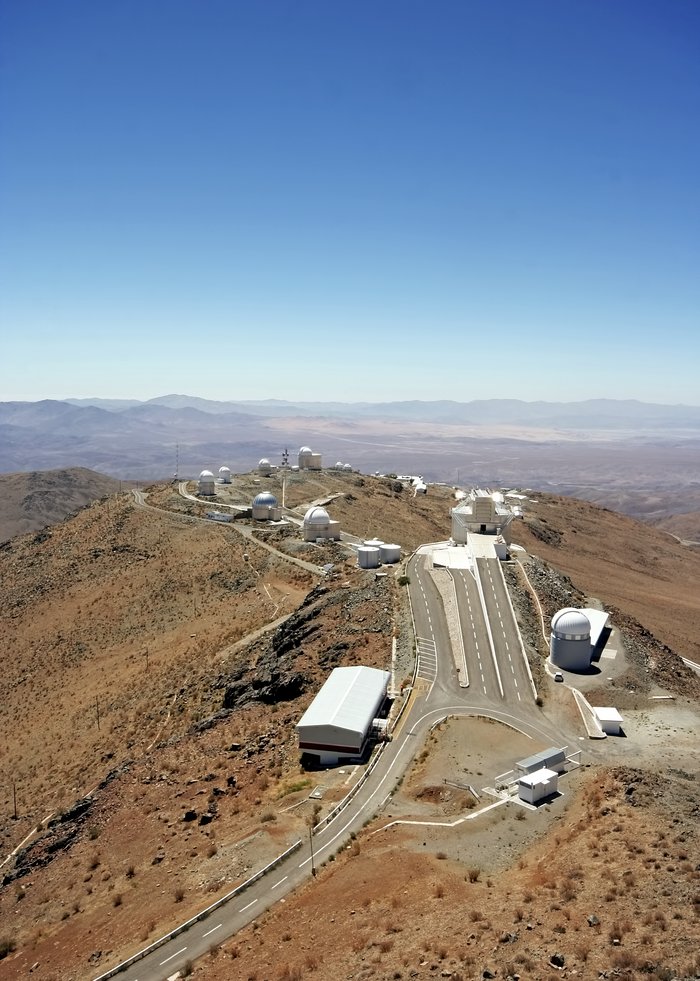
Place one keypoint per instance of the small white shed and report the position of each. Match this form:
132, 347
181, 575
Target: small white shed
609, 720
534, 787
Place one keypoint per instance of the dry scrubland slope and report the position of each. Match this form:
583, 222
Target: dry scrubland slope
31, 501
205, 726
141, 616
631, 567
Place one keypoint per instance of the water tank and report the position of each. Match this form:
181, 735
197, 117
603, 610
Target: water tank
374, 543
367, 557
389, 553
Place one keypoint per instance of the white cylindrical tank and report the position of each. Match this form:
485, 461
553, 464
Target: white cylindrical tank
367, 557
264, 466
206, 483
389, 553
224, 475
374, 543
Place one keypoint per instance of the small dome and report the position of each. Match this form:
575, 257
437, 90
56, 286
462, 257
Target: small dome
264, 462
265, 500
305, 449
224, 470
206, 475
571, 624
316, 516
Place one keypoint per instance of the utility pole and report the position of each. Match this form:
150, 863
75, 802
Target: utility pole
311, 846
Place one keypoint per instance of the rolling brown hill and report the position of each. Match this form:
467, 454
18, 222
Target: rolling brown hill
32, 501
142, 683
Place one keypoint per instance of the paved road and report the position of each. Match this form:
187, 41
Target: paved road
437, 693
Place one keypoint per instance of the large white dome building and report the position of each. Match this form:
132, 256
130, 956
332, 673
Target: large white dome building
207, 485
225, 475
570, 640
265, 507
318, 524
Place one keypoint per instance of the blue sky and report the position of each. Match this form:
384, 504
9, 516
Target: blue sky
350, 200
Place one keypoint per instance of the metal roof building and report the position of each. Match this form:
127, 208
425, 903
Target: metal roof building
550, 759
337, 723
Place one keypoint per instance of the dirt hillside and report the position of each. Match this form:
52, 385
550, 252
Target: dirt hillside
155, 666
32, 501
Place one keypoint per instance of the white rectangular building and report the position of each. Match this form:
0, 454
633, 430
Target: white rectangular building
535, 787
337, 724
609, 720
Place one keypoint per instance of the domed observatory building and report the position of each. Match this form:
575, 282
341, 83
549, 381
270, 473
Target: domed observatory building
570, 640
265, 507
318, 524
304, 457
265, 467
207, 486
224, 475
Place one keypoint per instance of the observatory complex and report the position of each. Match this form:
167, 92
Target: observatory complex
575, 636
318, 525
481, 513
266, 508
207, 486
309, 460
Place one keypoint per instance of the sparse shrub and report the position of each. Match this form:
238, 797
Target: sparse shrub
474, 874
212, 850
187, 969
7, 946
117, 899
130, 872
438, 890
441, 856
179, 894
93, 833
268, 816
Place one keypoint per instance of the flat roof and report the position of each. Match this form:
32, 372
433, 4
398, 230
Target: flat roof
598, 620
539, 776
607, 714
347, 699
552, 755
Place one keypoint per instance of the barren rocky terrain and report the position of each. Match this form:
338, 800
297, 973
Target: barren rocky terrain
31, 501
152, 679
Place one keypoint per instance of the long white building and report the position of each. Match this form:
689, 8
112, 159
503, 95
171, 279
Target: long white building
338, 722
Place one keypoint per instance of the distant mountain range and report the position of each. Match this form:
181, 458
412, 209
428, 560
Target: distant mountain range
598, 413
638, 457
